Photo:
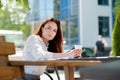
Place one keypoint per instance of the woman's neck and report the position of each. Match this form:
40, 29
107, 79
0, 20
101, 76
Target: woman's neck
45, 41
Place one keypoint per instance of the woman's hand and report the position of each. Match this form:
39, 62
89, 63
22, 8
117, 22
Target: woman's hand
76, 52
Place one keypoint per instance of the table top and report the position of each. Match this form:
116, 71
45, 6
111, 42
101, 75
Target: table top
54, 62
102, 59
65, 62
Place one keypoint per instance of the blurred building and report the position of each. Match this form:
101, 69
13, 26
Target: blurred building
69, 14
83, 20
40, 10
86, 19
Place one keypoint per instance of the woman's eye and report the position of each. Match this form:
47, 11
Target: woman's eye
55, 30
48, 28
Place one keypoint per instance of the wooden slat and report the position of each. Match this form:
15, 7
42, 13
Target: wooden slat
9, 73
4, 61
7, 48
2, 38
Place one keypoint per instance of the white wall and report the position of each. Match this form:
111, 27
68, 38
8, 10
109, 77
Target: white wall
89, 12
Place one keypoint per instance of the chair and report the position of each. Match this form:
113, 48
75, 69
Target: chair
8, 72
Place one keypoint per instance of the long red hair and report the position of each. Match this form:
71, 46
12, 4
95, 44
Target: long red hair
56, 44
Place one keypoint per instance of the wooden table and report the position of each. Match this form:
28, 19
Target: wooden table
68, 65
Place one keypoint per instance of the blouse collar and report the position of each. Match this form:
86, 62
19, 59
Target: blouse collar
40, 39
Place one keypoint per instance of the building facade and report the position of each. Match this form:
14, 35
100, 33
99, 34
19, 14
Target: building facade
86, 19
70, 16
40, 9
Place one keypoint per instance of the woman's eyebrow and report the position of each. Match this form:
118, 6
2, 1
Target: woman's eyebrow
49, 26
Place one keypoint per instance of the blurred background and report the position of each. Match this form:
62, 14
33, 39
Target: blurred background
82, 20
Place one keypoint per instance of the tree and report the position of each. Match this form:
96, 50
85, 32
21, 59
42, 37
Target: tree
117, 7
116, 31
14, 17
116, 37
22, 2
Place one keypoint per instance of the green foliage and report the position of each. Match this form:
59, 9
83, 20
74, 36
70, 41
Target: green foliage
24, 3
7, 24
26, 29
0, 4
116, 30
117, 7
14, 23
116, 37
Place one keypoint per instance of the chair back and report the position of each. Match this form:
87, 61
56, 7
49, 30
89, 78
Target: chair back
8, 72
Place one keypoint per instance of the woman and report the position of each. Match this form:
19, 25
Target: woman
45, 43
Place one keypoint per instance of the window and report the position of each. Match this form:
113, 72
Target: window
103, 2
103, 23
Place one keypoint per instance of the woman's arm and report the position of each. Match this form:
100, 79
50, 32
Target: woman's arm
74, 53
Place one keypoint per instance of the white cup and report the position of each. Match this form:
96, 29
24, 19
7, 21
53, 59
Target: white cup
78, 46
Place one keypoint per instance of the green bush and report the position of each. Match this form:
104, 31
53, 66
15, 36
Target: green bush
116, 37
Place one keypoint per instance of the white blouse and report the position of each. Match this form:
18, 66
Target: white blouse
35, 49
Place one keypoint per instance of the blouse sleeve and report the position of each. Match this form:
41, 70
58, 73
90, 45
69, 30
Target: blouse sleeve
36, 49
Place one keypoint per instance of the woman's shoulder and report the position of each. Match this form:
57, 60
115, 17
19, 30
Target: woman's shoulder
34, 37
31, 36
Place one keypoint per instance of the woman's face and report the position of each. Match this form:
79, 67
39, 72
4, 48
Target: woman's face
49, 31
